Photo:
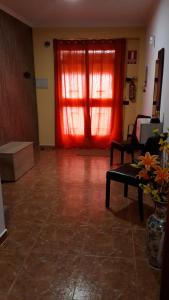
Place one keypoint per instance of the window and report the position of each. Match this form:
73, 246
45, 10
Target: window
100, 78
88, 76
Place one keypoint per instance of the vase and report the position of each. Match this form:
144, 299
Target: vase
155, 235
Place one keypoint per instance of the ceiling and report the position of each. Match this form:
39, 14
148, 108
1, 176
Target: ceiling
80, 13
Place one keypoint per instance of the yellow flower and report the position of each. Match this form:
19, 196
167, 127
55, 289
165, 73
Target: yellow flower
162, 175
148, 160
155, 131
161, 141
164, 146
147, 189
154, 169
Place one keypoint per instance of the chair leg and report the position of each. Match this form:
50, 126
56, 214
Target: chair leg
122, 157
107, 191
140, 203
111, 155
125, 190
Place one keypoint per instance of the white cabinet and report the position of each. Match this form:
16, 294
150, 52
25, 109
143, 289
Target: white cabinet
145, 129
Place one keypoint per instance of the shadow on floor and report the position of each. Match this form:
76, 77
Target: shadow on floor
130, 213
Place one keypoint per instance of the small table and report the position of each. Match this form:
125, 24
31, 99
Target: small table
16, 158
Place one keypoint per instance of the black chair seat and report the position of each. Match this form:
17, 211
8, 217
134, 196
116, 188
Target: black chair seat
128, 175
127, 146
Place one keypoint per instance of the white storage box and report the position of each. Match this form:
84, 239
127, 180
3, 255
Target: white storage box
16, 158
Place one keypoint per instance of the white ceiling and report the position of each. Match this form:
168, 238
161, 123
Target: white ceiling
78, 13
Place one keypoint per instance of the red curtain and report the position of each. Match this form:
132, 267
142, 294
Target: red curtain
89, 78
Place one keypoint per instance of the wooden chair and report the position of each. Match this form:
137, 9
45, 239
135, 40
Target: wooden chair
130, 145
127, 174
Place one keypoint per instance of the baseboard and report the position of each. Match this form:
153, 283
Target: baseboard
47, 147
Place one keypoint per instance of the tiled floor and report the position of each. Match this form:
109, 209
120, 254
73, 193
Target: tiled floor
63, 244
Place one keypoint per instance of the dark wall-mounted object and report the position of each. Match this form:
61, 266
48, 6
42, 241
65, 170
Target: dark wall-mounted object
47, 44
125, 102
129, 79
27, 75
158, 80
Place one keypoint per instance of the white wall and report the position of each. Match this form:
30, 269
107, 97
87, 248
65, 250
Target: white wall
2, 223
159, 27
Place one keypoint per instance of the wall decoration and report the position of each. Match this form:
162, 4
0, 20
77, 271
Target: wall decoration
132, 91
132, 57
131, 88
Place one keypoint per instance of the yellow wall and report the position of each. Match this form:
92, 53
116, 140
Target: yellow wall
136, 71
44, 68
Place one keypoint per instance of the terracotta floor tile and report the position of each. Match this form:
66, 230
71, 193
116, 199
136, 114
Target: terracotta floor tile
3, 296
61, 240
25, 288
139, 236
106, 242
106, 277
44, 275
148, 281
49, 295
63, 243
75, 214
11, 253
8, 274
117, 216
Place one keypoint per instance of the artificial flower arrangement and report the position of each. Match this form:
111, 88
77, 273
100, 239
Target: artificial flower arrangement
154, 171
